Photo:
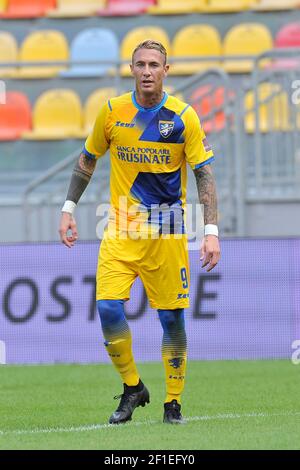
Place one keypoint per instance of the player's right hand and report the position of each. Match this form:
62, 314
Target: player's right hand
67, 222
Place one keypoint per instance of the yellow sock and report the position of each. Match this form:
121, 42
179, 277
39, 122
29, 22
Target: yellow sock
174, 346
118, 339
175, 375
120, 352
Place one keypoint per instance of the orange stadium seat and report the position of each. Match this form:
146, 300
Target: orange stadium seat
249, 39
15, 116
193, 41
42, 46
176, 7
57, 115
3, 5
273, 114
205, 100
8, 53
125, 7
27, 8
93, 105
137, 35
224, 6
272, 5
75, 8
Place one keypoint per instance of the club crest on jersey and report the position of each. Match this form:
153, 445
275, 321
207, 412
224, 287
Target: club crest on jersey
165, 128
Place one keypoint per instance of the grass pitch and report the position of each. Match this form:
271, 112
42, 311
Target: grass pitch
228, 405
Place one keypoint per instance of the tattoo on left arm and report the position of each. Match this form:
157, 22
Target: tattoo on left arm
207, 193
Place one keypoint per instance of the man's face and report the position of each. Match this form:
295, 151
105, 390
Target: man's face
149, 70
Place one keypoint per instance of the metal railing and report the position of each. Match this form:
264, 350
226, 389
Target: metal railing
243, 169
276, 125
36, 203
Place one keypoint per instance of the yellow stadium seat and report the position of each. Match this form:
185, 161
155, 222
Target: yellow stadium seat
76, 8
93, 105
273, 114
57, 115
173, 7
136, 36
249, 39
271, 5
43, 46
8, 53
194, 41
170, 89
224, 6
3, 5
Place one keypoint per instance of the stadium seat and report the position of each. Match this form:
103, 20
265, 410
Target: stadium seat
273, 115
137, 35
205, 100
249, 39
27, 8
287, 36
8, 53
194, 41
170, 91
272, 5
125, 7
75, 8
224, 6
93, 105
3, 5
176, 7
94, 44
57, 115
15, 116
43, 46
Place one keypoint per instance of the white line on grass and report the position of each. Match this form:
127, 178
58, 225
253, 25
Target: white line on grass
96, 427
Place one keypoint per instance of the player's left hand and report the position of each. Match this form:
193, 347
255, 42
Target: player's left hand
210, 252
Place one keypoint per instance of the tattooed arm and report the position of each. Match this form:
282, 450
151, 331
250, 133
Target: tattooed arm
210, 249
81, 176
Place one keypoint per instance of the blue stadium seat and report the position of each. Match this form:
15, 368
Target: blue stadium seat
93, 44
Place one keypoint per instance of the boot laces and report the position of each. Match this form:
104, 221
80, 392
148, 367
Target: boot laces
124, 398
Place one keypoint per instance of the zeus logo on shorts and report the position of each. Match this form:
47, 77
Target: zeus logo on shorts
183, 296
165, 128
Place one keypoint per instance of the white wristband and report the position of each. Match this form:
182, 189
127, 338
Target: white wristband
69, 206
211, 229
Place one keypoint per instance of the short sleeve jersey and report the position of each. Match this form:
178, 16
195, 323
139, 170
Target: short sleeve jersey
149, 149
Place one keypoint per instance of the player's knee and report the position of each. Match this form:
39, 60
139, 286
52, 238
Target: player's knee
171, 319
111, 312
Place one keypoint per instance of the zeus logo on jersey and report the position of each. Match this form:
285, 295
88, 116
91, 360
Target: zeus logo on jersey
165, 128
124, 124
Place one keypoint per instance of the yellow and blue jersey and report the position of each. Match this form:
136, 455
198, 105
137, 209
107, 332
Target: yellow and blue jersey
149, 149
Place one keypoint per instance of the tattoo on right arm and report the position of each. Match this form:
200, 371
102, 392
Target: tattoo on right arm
81, 176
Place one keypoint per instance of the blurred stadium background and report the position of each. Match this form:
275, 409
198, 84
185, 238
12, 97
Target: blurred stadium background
238, 63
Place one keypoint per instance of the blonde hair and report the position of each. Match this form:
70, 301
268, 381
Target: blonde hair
150, 44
